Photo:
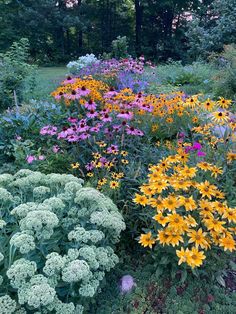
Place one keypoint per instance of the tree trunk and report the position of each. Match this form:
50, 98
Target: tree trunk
138, 26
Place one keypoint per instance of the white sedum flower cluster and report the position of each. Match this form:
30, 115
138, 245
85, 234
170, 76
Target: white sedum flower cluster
58, 244
75, 66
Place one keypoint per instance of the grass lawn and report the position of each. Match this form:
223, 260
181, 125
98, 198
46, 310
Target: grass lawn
47, 79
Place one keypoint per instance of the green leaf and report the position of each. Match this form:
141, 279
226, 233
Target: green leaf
232, 265
221, 281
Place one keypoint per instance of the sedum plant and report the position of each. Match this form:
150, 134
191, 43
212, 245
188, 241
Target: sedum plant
56, 240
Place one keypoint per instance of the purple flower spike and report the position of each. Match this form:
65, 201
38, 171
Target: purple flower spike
197, 146
201, 154
127, 283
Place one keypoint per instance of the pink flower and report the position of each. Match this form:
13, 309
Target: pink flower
89, 166
69, 80
72, 120
90, 105
113, 149
41, 157
201, 154
197, 146
95, 129
72, 138
83, 91
84, 136
132, 131
30, 159
55, 149
92, 114
48, 130
128, 115
106, 118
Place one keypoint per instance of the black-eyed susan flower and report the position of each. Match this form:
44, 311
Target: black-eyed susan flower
195, 258
140, 199
114, 184
75, 165
147, 240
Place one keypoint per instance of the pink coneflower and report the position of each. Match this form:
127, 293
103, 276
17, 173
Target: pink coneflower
103, 161
106, 118
30, 159
84, 136
92, 114
69, 80
55, 149
59, 96
83, 91
41, 157
48, 130
94, 129
72, 120
62, 134
128, 115
113, 149
83, 127
72, 138
110, 94
89, 166
132, 131
90, 105
116, 128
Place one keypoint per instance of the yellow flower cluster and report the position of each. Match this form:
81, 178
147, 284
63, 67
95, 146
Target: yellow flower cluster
96, 90
191, 213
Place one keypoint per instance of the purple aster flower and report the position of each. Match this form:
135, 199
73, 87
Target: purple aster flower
127, 283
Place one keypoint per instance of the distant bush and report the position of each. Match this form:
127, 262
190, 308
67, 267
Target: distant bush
225, 80
120, 47
193, 78
14, 69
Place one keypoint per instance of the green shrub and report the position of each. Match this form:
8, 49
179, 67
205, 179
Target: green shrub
56, 242
120, 47
225, 80
192, 79
14, 69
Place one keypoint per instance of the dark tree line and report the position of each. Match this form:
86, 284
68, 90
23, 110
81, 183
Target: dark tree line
59, 30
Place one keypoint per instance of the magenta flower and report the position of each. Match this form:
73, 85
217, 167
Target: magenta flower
55, 149
72, 138
30, 159
69, 80
106, 118
201, 154
89, 166
48, 130
128, 115
90, 105
83, 91
41, 157
72, 120
132, 131
92, 114
95, 129
84, 136
113, 149
197, 146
